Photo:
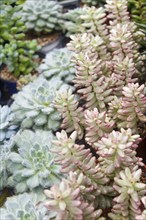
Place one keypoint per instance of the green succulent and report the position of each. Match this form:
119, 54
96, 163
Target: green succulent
23, 207
7, 129
32, 166
41, 15
33, 106
19, 57
58, 63
11, 25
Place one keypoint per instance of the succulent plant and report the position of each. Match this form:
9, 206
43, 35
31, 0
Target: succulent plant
23, 206
130, 191
7, 129
97, 125
19, 56
41, 16
10, 24
33, 106
67, 104
58, 63
33, 165
67, 202
131, 108
117, 151
72, 23
4, 153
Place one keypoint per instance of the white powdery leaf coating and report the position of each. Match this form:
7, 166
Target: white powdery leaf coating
33, 164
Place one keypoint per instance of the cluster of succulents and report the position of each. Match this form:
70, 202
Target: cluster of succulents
32, 166
111, 107
41, 16
33, 106
58, 63
7, 129
10, 24
91, 169
19, 56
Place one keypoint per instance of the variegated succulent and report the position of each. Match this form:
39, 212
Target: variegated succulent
33, 106
7, 129
41, 16
58, 63
23, 206
32, 165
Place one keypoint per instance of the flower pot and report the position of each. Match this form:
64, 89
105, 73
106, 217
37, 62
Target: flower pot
70, 4
58, 43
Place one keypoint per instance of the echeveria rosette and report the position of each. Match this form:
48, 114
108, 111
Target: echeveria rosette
32, 166
117, 151
127, 204
24, 206
41, 16
58, 63
7, 129
33, 106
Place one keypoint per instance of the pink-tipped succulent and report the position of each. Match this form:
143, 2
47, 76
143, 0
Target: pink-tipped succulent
97, 126
67, 104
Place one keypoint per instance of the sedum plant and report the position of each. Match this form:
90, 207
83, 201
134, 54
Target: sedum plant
41, 16
58, 63
130, 191
10, 24
19, 57
107, 62
7, 129
23, 206
32, 165
33, 106
67, 105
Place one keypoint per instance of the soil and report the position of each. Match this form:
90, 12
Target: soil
6, 75
43, 39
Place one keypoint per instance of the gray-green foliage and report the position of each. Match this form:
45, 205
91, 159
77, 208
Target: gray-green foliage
58, 63
32, 165
71, 23
7, 129
20, 57
4, 152
42, 15
23, 207
33, 106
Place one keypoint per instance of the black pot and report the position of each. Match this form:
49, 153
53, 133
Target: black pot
59, 43
70, 4
7, 89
